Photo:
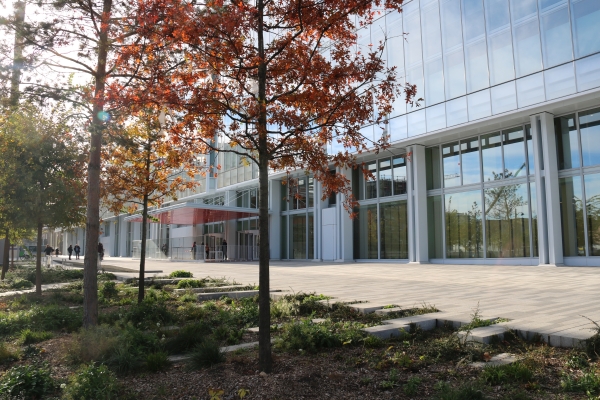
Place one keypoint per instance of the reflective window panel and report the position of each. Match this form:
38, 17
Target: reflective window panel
592, 207
284, 238
586, 29
471, 168
479, 105
530, 90
456, 111
436, 117
556, 34
571, 210
432, 167
397, 127
530, 151
395, 54
371, 182
588, 72
507, 221
434, 226
464, 233
526, 38
589, 126
491, 153
385, 177
560, 81
452, 42
393, 225
500, 52
311, 236
567, 144
298, 228
365, 233
451, 160
412, 26
416, 123
514, 153
399, 173
504, 98
534, 220
523, 9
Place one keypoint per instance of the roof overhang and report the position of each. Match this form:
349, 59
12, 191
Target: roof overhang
194, 213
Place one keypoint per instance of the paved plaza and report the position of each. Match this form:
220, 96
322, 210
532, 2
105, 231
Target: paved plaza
546, 299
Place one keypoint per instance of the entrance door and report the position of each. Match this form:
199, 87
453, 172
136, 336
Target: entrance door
248, 245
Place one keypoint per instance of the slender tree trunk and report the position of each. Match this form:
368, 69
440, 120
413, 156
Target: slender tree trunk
143, 249
90, 271
38, 260
18, 60
265, 361
5, 256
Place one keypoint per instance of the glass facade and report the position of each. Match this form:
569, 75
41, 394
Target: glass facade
492, 216
471, 59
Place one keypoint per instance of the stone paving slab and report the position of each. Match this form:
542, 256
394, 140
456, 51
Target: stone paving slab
484, 334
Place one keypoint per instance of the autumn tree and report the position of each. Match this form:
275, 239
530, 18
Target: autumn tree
77, 42
144, 167
278, 80
50, 171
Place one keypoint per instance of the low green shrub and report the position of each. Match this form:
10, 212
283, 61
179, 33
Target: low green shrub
125, 359
148, 313
43, 318
188, 298
181, 274
109, 290
586, 382
157, 361
21, 284
190, 283
27, 336
92, 382
6, 354
107, 276
411, 387
55, 275
27, 381
311, 337
92, 344
187, 338
373, 342
206, 354
466, 392
516, 372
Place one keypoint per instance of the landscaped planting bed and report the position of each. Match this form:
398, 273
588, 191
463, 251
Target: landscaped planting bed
45, 354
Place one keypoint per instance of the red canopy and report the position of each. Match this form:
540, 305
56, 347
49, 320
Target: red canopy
195, 213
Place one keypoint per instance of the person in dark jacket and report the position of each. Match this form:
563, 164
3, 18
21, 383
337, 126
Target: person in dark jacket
56, 252
101, 251
70, 250
48, 250
77, 250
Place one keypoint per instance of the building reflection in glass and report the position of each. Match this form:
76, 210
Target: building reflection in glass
464, 235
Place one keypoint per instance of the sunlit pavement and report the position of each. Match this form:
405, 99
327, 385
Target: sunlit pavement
553, 296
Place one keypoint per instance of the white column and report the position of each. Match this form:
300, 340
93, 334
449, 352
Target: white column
344, 226
275, 195
547, 190
317, 226
417, 197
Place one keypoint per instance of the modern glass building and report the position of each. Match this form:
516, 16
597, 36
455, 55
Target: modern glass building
500, 164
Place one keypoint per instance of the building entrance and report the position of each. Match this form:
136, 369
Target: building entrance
248, 242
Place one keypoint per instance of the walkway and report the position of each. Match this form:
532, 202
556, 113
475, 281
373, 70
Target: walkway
538, 297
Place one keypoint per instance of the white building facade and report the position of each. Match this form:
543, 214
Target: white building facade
500, 164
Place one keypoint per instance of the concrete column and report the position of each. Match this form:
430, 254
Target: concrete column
317, 225
548, 196
275, 195
344, 226
417, 198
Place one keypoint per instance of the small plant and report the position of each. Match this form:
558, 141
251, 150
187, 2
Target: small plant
402, 360
210, 306
28, 336
187, 338
188, 298
467, 392
578, 361
392, 380
312, 337
373, 342
588, 382
6, 354
206, 354
92, 382
411, 386
181, 274
190, 283
21, 284
27, 381
516, 372
109, 290
390, 306
157, 361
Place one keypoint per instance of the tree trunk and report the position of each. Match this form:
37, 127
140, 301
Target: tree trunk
143, 250
265, 361
5, 256
18, 59
90, 270
38, 260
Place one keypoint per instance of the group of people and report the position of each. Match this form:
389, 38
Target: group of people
49, 251
207, 250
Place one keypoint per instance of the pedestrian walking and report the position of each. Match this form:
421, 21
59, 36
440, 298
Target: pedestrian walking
206, 249
70, 250
194, 249
224, 249
56, 252
77, 250
48, 250
101, 251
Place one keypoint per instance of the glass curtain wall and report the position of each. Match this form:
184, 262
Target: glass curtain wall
381, 228
479, 203
297, 219
578, 150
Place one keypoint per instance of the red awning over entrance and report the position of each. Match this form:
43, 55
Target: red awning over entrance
195, 213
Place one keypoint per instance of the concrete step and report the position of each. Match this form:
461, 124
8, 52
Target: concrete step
386, 331
426, 322
210, 289
484, 334
234, 295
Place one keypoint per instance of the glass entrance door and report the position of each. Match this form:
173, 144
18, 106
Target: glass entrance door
248, 242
